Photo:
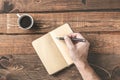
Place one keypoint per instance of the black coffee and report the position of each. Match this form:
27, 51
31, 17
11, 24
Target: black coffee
25, 21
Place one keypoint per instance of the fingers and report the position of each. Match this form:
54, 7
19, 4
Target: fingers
71, 44
76, 35
68, 42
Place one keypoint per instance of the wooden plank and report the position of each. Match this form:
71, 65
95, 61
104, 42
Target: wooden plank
56, 5
34, 69
79, 21
103, 4
108, 43
17, 44
3, 21
103, 43
109, 63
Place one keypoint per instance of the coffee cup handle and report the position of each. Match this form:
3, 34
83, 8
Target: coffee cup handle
18, 15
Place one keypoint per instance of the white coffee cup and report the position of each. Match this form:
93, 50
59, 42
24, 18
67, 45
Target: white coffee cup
25, 21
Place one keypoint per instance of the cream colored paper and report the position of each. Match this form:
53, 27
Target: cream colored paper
61, 32
52, 52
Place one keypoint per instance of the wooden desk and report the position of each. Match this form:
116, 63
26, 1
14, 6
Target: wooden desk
98, 21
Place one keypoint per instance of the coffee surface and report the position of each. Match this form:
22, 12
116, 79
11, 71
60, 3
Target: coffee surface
25, 21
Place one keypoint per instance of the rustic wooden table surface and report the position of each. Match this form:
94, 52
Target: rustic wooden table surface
97, 20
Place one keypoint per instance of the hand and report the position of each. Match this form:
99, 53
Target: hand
78, 50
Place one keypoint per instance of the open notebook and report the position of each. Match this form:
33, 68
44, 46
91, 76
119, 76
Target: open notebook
53, 52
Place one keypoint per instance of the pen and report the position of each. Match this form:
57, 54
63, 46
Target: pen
73, 39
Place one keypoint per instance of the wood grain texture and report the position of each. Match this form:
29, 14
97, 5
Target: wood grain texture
17, 44
3, 23
34, 69
107, 62
56, 5
100, 28
79, 21
108, 43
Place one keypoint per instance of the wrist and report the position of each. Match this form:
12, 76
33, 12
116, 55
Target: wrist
86, 71
81, 64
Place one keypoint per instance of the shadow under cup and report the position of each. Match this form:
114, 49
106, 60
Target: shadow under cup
25, 21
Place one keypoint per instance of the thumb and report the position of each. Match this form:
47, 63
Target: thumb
68, 42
